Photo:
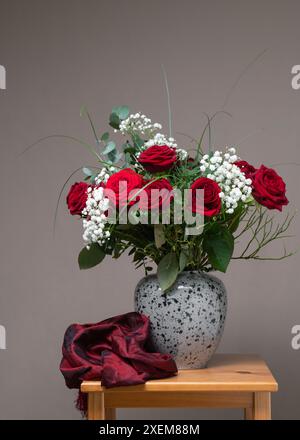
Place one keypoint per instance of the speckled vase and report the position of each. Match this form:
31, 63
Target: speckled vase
188, 320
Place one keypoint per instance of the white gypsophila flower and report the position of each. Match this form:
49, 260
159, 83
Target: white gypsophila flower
139, 124
181, 154
95, 220
232, 181
161, 139
104, 175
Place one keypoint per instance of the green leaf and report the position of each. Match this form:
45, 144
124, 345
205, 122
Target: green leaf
234, 220
219, 243
109, 147
167, 271
138, 256
87, 171
183, 258
118, 249
114, 156
105, 137
137, 140
114, 121
159, 236
122, 111
130, 150
132, 251
128, 159
92, 257
131, 236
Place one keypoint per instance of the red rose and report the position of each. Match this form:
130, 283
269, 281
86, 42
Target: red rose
212, 201
121, 184
77, 197
158, 158
246, 168
268, 188
156, 195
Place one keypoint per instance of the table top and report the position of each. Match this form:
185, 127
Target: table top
225, 372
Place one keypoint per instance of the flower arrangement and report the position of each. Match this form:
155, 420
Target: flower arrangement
147, 178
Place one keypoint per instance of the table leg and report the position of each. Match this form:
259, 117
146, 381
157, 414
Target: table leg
248, 413
96, 409
262, 406
110, 413
261, 409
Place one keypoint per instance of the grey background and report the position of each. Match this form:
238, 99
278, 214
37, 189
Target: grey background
62, 54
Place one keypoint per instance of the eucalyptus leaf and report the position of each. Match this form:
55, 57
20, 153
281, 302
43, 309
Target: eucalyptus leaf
118, 157
218, 242
87, 171
109, 147
105, 137
167, 271
122, 111
90, 257
128, 159
159, 235
114, 156
114, 121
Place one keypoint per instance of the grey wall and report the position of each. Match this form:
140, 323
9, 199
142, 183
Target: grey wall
62, 54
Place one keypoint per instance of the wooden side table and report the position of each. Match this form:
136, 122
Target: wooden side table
229, 381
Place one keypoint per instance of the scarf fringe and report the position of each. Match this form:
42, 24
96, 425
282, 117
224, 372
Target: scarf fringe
81, 403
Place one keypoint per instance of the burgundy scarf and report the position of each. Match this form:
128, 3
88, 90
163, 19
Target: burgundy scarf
116, 351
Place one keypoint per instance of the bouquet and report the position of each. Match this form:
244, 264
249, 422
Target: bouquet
180, 210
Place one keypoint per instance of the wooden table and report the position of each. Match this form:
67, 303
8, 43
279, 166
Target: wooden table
229, 381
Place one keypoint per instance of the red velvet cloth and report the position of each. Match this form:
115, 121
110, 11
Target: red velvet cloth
116, 351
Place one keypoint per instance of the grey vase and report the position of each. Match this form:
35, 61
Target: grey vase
188, 320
